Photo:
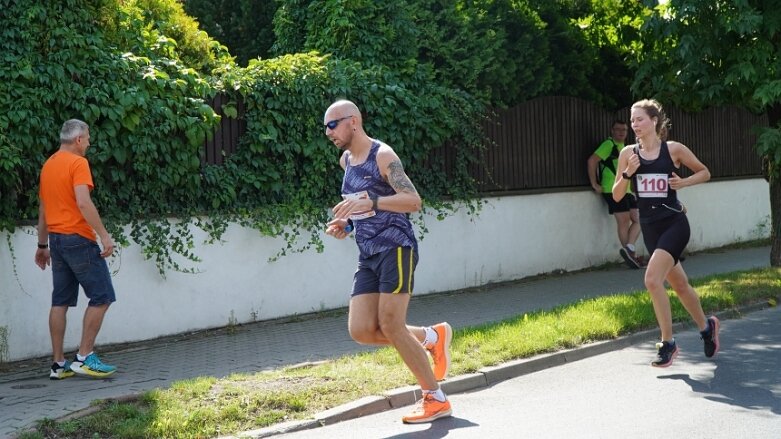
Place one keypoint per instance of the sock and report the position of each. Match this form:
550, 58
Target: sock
431, 337
706, 332
60, 363
82, 358
630, 247
438, 394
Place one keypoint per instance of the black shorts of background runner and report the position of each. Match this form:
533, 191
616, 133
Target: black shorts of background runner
626, 203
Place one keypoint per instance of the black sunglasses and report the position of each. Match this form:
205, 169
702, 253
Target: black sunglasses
332, 124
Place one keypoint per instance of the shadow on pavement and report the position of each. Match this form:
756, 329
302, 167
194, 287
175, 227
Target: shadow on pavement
438, 429
745, 373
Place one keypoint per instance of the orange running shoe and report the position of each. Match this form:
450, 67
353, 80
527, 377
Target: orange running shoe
440, 351
427, 410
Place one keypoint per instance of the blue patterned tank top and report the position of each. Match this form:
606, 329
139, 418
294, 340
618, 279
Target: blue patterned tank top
375, 232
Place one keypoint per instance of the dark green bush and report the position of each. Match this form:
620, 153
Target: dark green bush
366, 31
111, 64
501, 51
244, 26
497, 50
597, 42
493, 49
286, 171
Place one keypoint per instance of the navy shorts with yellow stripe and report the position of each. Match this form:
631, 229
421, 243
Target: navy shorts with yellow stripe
391, 271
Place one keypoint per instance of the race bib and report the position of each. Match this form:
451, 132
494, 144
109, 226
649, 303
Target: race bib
363, 195
652, 185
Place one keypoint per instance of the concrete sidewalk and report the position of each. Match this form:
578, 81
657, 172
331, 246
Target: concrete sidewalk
27, 395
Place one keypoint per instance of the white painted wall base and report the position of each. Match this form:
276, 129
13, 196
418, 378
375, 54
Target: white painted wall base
513, 237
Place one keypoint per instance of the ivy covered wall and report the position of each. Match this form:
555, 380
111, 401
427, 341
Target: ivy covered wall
138, 72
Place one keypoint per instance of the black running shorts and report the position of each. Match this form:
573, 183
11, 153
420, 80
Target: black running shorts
391, 271
670, 234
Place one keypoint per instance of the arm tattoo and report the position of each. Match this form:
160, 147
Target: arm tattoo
398, 179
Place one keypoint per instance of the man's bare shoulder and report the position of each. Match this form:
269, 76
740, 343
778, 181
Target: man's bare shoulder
386, 154
385, 148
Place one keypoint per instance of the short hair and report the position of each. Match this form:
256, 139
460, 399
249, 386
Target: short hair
71, 129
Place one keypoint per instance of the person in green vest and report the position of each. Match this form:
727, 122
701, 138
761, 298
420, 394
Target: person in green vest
602, 174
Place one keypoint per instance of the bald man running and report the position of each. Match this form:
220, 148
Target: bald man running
377, 198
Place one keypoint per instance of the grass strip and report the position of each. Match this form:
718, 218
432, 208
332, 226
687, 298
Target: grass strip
208, 407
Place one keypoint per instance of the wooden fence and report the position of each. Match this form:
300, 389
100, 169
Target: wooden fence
225, 138
544, 143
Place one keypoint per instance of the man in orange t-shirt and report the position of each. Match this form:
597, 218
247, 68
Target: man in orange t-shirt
67, 226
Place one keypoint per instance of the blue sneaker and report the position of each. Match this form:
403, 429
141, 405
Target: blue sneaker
92, 366
60, 372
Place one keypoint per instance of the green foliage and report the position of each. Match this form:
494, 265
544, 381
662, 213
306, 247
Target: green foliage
575, 61
699, 54
492, 49
366, 31
244, 26
602, 36
139, 71
160, 28
112, 65
497, 50
768, 147
11, 162
147, 117
501, 51
286, 171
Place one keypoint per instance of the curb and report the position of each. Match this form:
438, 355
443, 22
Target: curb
484, 377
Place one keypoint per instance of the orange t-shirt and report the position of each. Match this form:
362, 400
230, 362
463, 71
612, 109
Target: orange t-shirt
61, 173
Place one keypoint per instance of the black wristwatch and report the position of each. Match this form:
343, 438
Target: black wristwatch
43, 245
626, 176
374, 201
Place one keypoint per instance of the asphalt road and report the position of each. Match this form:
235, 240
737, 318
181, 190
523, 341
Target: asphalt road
618, 395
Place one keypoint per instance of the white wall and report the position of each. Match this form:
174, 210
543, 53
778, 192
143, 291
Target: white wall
513, 237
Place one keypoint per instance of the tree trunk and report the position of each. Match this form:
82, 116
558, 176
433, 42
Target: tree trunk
774, 171
775, 221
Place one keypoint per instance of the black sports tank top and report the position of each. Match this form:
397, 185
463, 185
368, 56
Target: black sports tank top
655, 199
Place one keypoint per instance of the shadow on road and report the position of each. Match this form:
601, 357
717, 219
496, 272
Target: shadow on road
745, 374
438, 429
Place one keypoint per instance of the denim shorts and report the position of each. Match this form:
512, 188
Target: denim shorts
76, 261
391, 271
